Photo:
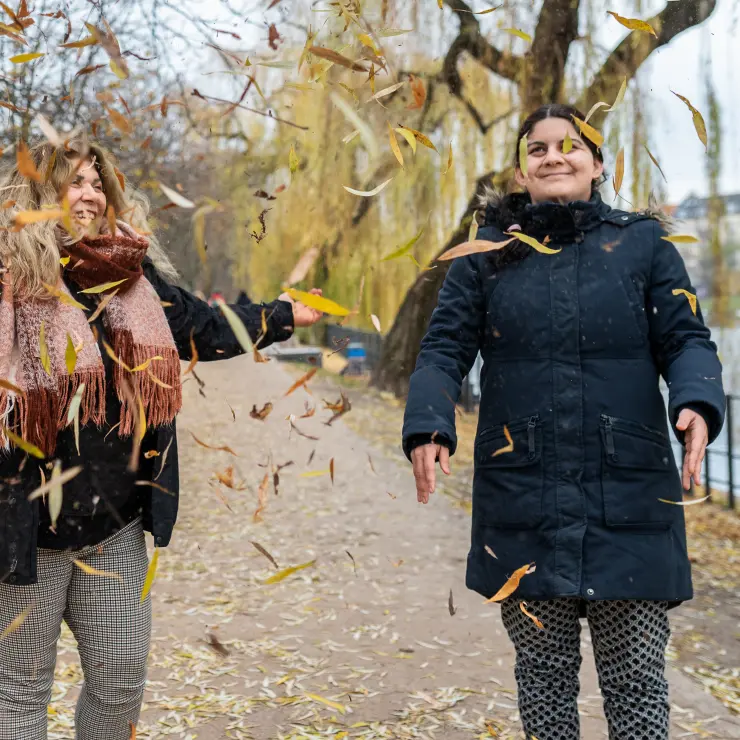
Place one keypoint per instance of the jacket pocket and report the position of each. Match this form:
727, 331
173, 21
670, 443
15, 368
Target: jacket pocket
637, 470
508, 486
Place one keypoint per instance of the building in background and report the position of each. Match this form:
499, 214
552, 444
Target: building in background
692, 217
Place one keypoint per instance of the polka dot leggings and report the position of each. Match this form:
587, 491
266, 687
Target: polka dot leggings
629, 640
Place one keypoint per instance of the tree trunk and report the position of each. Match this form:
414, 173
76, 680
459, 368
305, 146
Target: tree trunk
401, 344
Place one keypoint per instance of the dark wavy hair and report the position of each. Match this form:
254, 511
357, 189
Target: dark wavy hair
509, 211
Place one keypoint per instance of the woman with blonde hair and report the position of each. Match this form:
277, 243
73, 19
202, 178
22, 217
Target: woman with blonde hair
92, 331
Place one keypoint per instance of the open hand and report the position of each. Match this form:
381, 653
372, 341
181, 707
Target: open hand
302, 314
695, 440
423, 459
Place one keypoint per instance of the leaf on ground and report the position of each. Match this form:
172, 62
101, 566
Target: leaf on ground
262, 413
509, 447
150, 573
286, 572
511, 585
264, 552
222, 448
689, 296
328, 702
354, 564
85, 568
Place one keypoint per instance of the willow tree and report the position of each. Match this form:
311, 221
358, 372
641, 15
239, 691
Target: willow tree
539, 76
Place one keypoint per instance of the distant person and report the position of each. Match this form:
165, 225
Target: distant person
574, 472
122, 367
243, 299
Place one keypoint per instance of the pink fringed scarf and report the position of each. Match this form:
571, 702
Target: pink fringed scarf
135, 323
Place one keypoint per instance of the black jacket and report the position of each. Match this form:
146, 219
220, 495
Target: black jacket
573, 345
106, 471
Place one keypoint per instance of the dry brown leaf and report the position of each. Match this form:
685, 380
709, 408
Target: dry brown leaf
509, 447
223, 448
477, 246
262, 413
261, 499
264, 552
511, 585
523, 607
337, 58
302, 381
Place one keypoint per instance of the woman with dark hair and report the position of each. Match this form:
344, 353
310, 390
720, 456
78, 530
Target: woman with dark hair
574, 471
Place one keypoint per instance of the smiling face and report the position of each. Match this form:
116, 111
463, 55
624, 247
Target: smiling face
553, 175
87, 200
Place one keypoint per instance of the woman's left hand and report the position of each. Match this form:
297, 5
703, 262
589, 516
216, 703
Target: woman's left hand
695, 440
302, 314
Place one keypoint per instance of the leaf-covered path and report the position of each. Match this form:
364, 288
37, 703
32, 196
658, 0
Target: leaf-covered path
361, 644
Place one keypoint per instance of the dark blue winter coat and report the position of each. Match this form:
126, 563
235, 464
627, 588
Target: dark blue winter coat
573, 345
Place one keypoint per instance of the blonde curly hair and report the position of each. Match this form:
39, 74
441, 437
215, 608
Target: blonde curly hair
33, 252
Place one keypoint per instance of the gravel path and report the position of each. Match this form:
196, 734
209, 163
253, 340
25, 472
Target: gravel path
358, 644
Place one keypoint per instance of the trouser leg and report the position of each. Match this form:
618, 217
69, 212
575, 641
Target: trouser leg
113, 631
547, 664
629, 639
28, 654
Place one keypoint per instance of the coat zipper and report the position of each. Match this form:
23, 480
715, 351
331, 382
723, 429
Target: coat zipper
609, 436
531, 424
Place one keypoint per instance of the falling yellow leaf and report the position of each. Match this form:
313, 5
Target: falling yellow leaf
441, 4
70, 356
317, 302
449, 161
11, 387
104, 301
85, 568
118, 70
63, 296
237, 326
619, 172
533, 243
23, 58
223, 448
589, 131
120, 121
24, 218
103, 287
332, 56
684, 503
24, 163
594, 108
405, 249
523, 143
421, 138
63, 478
690, 297
519, 33
74, 404
699, 125
488, 549
394, 145
634, 24
44, 350
376, 323
87, 41
174, 197
523, 607
315, 473
17, 622
283, 574
509, 447
511, 585
387, 90
367, 193
477, 246
410, 138
620, 95
680, 239
567, 143
21, 443
140, 418
302, 381
293, 160
329, 703
655, 162
150, 573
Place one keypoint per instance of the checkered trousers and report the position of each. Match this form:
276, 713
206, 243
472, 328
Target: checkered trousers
112, 629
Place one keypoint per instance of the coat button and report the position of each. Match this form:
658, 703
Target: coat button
590, 591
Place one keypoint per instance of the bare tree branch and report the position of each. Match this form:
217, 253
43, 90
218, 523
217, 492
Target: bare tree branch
630, 54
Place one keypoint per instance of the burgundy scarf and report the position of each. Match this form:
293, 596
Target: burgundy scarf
135, 324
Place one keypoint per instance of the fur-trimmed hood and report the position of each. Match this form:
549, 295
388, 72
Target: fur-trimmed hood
503, 209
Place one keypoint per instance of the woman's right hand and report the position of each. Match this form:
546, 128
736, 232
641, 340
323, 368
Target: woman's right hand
424, 458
